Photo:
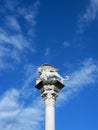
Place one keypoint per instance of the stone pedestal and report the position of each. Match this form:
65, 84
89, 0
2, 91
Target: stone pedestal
49, 91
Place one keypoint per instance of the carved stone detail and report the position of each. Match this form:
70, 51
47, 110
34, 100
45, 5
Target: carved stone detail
49, 97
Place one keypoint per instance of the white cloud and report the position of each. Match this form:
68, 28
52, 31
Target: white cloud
30, 74
9, 99
89, 16
13, 115
84, 77
17, 41
29, 16
11, 47
17, 38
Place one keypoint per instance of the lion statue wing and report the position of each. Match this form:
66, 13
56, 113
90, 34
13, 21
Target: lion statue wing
49, 68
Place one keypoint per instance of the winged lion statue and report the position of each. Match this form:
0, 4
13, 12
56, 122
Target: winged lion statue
47, 71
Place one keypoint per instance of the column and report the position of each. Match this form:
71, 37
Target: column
50, 117
49, 96
49, 91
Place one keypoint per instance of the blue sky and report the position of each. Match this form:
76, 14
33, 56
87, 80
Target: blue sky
63, 33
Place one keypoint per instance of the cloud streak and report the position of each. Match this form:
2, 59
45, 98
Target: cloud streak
89, 15
12, 23
85, 76
14, 115
30, 74
16, 38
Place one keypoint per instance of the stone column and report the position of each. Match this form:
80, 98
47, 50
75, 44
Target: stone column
49, 91
50, 99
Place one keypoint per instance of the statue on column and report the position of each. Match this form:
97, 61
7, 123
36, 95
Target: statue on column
49, 72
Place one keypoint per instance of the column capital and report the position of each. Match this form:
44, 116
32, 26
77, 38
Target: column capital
49, 97
41, 83
49, 90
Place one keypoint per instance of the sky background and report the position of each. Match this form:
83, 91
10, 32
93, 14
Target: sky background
63, 33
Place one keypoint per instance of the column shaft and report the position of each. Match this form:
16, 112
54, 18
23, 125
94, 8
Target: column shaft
50, 117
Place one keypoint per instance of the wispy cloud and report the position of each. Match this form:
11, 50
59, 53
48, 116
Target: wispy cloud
89, 15
14, 115
15, 111
16, 41
85, 76
11, 47
11, 5
12, 23
17, 38
29, 16
30, 73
